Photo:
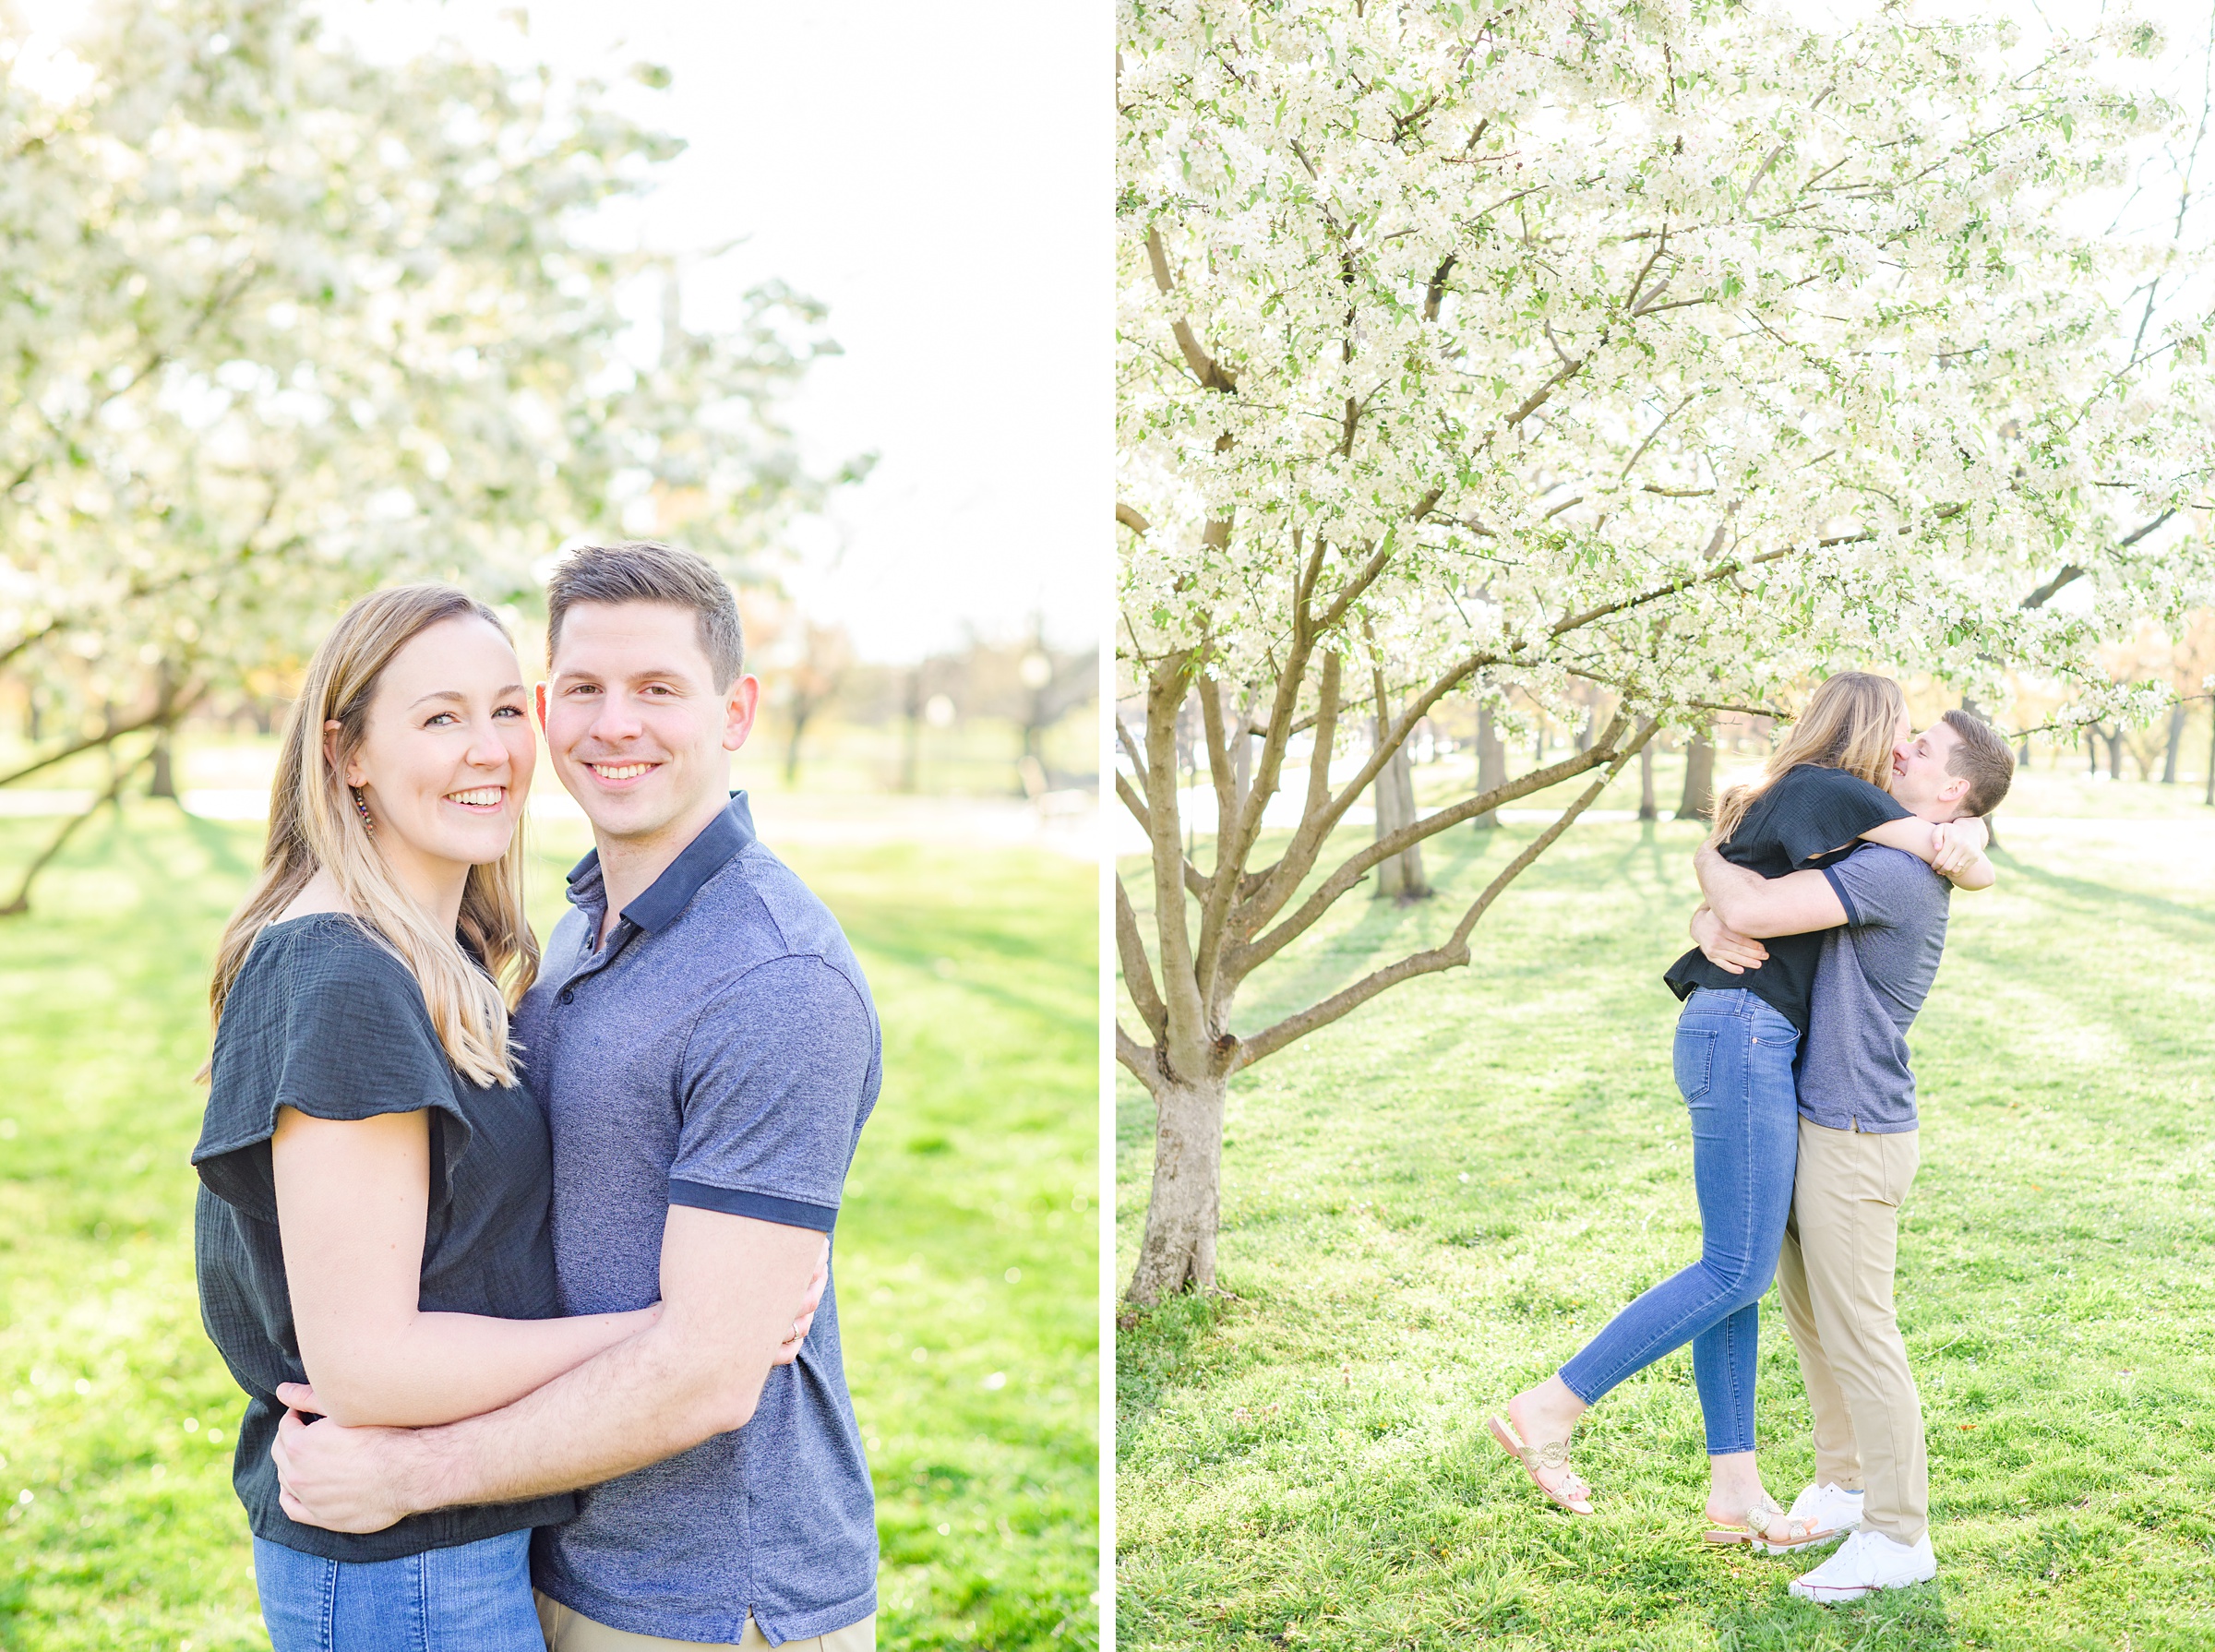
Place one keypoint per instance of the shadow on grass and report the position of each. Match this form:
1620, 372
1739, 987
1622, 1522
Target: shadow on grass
220, 843
1162, 1348
1900, 1621
2085, 889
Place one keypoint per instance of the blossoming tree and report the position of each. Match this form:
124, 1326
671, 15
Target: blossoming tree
281, 323
1676, 352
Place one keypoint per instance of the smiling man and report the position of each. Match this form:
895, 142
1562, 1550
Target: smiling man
707, 1052
1883, 916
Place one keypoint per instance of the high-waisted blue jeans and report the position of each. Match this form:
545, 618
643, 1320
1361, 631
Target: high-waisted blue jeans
1734, 1064
470, 1597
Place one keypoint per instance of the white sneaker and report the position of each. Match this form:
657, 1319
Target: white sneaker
1827, 1507
1866, 1562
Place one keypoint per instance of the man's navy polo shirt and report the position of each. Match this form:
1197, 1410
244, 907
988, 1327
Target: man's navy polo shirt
720, 1051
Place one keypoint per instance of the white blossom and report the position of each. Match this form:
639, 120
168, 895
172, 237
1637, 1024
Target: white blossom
281, 324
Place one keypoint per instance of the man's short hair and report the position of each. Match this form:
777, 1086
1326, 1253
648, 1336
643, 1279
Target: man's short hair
1982, 759
641, 571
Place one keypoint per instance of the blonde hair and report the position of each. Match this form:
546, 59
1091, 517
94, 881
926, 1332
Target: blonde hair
316, 825
1851, 723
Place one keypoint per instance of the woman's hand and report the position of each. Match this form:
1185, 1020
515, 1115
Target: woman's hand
789, 1350
1956, 845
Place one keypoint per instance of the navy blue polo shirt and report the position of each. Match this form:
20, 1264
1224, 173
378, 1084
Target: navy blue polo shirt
720, 1052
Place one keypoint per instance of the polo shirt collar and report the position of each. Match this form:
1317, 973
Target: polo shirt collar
706, 854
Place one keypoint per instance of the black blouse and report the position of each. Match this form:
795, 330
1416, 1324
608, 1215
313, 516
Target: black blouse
325, 1019
1810, 816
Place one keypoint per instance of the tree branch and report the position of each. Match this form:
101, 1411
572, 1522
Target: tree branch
1357, 582
1138, 973
1435, 294
1143, 1064
1247, 959
2070, 573
19, 903
165, 711
1274, 887
1723, 570
1187, 1023
1205, 369
1453, 952
1391, 740
1134, 802
1131, 748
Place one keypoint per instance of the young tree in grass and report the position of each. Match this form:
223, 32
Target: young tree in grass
278, 323
1672, 356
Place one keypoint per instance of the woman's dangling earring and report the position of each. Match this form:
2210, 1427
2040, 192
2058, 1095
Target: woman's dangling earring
367, 824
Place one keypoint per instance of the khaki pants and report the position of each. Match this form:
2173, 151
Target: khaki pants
567, 1631
1834, 1275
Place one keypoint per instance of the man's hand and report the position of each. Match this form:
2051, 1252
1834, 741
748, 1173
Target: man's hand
733, 1289
350, 1478
1724, 947
789, 1350
338, 1477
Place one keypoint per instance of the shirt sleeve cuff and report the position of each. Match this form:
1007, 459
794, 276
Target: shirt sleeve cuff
762, 1207
1838, 887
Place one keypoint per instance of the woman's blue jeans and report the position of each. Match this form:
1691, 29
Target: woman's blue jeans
472, 1597
1733, 1058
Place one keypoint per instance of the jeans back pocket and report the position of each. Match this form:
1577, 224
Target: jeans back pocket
1694, 1057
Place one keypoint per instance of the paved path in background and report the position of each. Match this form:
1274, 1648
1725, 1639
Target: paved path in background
2151, 834
1061, 822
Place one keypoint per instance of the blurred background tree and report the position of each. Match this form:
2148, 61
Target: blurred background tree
279, 324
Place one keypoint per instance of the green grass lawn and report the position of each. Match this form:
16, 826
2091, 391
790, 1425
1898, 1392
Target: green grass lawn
1433, 1202
966, 1251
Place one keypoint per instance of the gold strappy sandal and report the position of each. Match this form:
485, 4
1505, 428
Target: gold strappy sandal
1552, 1454
1755, 1532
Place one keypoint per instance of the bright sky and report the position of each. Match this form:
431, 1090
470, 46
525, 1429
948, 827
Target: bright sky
939, 177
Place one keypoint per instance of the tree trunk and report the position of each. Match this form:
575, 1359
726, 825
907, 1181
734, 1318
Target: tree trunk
2022, 753
163, 783
1698, 800
2210, 800
1183, 1211
1492, 763
792, 745
2176, 740
2092, 750
1401, 877
1646, 811
910, 748
2115, 754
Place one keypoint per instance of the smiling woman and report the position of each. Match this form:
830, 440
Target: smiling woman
352, 755
373, 1211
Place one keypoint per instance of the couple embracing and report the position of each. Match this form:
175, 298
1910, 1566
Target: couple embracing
523, 1262
1825, 886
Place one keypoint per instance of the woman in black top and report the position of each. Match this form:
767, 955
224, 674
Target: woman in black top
372, 1216
1824, 791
